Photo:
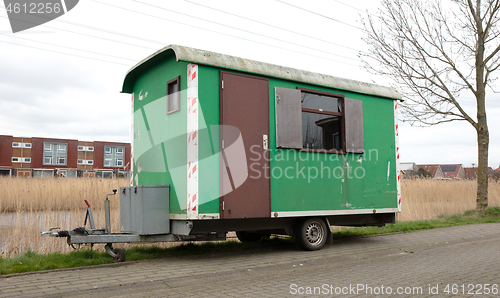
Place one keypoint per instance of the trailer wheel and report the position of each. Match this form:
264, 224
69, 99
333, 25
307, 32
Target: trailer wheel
245, 236
311, 233
119, 254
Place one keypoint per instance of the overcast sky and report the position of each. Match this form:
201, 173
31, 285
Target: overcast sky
63, 79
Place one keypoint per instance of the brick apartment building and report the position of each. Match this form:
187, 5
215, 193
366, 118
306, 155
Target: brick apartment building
45, 157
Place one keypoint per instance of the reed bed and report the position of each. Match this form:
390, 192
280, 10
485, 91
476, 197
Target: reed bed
423, 199
29, 206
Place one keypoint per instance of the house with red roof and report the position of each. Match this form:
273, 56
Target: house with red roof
471, 173
453, 171
435, 170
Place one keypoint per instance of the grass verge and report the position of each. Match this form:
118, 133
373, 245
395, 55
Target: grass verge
31, 261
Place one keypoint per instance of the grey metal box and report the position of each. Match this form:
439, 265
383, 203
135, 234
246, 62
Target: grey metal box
144, 209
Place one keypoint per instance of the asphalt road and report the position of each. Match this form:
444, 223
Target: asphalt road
459, 261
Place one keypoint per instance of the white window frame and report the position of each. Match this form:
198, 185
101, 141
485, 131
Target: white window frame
90, 148
90, 162
80, 162
59, 158
27, 159
81, 148
109, 161
16, 145
16, 159
108, 148
61, 147
45, 158
119, 162
47, 147
27, 145
119, 150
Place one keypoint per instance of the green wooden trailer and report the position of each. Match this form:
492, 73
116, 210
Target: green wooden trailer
258, 148
222, 143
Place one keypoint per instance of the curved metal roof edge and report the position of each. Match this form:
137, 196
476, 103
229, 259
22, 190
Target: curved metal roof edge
246, 65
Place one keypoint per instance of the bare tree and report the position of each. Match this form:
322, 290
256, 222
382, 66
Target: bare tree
435, 51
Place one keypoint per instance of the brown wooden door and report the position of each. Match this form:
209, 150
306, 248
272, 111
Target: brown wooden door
244, 104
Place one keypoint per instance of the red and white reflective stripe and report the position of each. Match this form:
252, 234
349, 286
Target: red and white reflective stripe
398, 168
132, 144
192, 141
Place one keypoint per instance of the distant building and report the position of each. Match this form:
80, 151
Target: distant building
496, 173
453, 171
408, 169
46, 157
435, 170
471, 173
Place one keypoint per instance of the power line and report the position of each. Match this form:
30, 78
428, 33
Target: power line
89, 35
321, 15
243, 30
273, 26
64, 53
51, 44
364, 11
233, 36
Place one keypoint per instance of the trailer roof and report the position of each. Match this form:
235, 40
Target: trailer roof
255, 67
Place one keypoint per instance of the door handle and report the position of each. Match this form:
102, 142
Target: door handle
265, 142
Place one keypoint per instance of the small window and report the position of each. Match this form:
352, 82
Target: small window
90, 162
47, 160
119, 150
107, 150
61, 160
107, 162
61, 147
81, 148
90, 148
322, 121
47, 147
119, 162
174, 95
27, 160
80, 162
15, 159
16, 145
27, 145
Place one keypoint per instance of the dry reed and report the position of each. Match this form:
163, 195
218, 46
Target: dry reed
29, 206
423, 199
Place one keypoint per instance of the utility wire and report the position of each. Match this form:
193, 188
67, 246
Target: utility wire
89, 35
233, 36
64, 53
243, 30
364, 11
51, 44
321, 15
273, 26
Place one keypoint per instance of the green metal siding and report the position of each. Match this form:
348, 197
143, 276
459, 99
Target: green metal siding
208, 175
160, 144
330, 181
159, 139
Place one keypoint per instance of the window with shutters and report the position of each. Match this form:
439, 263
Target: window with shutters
322, 120
318, 121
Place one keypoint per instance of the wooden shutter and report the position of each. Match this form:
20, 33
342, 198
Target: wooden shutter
288, 118
354, 136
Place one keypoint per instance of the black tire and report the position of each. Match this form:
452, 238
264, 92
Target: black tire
245, 236
120, 254
311, 233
